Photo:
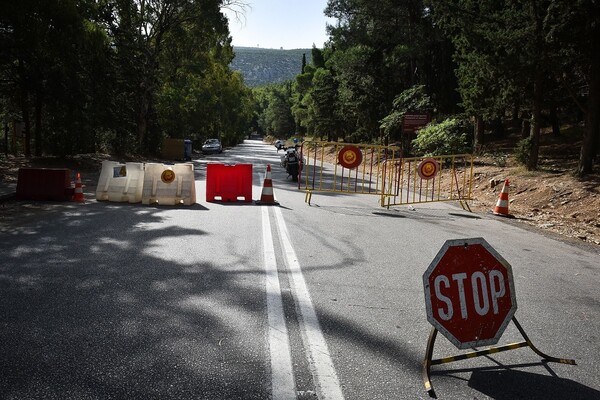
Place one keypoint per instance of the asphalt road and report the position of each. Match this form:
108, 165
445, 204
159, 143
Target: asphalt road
241, 301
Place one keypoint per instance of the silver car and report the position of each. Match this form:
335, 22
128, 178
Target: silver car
212, 146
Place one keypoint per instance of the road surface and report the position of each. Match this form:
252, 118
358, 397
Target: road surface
240, 301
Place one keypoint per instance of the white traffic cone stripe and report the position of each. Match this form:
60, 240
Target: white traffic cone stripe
267, 196
502, 203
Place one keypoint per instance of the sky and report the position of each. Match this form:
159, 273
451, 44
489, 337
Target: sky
275, 24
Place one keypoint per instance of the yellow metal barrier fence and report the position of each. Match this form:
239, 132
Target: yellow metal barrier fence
429, 179
327, 168
380, 170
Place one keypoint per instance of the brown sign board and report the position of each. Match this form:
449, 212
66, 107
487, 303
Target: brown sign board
414, 121
172, 149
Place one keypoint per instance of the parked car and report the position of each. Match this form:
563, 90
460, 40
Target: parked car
212, 146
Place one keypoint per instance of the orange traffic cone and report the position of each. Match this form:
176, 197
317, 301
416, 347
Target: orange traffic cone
502, 203
267, 197
78, 195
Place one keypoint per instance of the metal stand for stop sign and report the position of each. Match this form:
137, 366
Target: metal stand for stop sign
428, 362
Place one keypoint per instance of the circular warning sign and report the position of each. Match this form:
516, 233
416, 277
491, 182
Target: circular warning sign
350, 157
167, 176
428, 168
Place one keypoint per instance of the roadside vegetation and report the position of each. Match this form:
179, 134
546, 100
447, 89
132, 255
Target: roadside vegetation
117, 76
492, 68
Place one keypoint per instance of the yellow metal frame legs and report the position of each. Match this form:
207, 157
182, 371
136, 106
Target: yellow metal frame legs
428, 362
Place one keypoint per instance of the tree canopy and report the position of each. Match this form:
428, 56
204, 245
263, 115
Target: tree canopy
490, 63
119, 75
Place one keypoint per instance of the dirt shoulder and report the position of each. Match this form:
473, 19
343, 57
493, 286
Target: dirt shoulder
550, 199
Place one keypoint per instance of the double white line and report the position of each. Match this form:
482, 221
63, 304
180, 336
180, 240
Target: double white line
322, 368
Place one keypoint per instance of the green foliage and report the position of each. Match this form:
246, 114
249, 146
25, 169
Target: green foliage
109, 75
492, 44
274, 110
510, 55
323, 106
311, 105
318, 59
523, 150
413, 99
447, 137
358, 92
499, 159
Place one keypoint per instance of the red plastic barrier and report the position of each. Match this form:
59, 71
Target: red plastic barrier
44, 184
229, 182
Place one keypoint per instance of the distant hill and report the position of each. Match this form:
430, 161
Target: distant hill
263, 66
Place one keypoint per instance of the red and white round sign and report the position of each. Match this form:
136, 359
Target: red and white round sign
428, 168
167, 176
350, 156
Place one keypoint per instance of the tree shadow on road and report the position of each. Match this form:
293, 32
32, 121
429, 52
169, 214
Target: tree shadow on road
122, 302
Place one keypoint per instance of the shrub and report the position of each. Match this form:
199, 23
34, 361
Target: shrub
523, 150
447, 137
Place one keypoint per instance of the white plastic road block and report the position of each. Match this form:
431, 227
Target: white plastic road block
169, 184
120, 182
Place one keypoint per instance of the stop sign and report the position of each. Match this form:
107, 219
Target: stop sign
469, 293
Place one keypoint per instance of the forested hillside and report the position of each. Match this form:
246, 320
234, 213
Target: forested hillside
262, 66
480, 69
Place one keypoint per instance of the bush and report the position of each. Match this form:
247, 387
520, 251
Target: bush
448, 137
523, 150
359, 136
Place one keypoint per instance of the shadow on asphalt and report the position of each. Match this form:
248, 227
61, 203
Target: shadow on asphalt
504, 383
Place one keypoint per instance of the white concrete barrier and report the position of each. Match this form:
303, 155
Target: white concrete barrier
169, 184
120, 182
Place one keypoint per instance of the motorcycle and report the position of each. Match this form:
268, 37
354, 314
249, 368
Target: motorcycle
279, 144
293, 162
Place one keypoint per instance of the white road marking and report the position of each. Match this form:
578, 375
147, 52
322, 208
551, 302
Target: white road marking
282, 374
326, 380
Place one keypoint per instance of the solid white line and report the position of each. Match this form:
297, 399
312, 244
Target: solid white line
326, 380
282, 375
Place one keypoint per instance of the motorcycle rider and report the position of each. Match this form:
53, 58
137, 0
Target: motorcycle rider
279, 144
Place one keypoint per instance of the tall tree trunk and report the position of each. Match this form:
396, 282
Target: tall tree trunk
478, 136
591, 136
554, 121
525, 127
6, 138
144, 101
534, 134
538, 76
38, 125
27, 122
25, 108
142, 123
515, 120
498, 129
525, 124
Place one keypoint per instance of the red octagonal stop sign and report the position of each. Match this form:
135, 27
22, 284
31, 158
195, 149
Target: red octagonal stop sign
469, 293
